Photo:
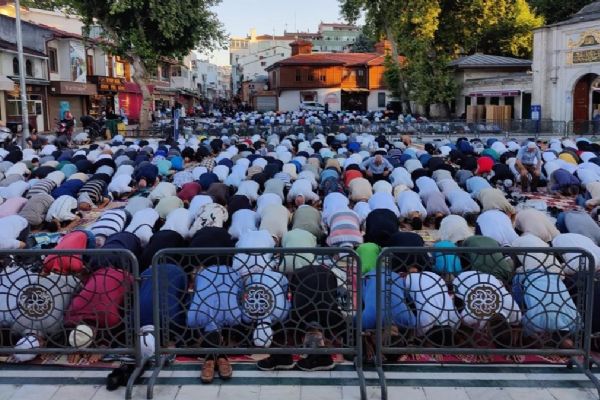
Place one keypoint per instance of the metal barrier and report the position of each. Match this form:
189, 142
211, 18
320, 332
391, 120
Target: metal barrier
257, 301
55, 302
473, 312
583, 128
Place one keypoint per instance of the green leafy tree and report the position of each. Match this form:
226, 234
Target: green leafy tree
50, 5
363, 44
146, 31
380, 19
558, 10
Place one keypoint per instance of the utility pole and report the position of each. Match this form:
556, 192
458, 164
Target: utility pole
22, 83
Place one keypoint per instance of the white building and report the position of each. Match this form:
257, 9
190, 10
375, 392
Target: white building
566, 68
224, 82
251, 56
207, 80
493, 80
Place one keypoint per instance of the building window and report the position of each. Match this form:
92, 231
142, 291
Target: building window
28, 68
481, 101
323, 77
361, 73
15, 66
89, 63
263, 63
164, 72
298, 75
467, 101
52, 60
311, 75
381, 99
494, 101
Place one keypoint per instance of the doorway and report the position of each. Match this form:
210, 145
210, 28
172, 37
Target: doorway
583, 98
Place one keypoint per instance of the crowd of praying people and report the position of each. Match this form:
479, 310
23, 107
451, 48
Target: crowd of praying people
349, 189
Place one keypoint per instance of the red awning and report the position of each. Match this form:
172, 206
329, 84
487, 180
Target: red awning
132, 87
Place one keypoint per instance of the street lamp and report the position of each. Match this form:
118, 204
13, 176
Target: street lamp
22, 83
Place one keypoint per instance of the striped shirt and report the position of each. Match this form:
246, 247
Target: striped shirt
43, 186
111, 222
94, 189
344, 229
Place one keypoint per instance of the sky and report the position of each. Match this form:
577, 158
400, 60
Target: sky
268, 16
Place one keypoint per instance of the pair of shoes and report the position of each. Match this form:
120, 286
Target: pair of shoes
316, 362
119, 377
222, 366
276, 362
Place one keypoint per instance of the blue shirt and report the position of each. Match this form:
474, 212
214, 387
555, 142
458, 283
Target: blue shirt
529, 157
548, 304
399, 313
369, 165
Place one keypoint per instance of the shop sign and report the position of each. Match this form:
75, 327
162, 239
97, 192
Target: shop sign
505, 93
73, 88
106, 84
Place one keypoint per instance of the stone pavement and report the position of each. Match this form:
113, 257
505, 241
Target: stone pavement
406, 382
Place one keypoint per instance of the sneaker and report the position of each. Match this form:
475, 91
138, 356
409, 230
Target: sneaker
316, 362
276, 362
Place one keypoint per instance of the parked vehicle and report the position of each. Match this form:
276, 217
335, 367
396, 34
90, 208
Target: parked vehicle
7, 137
311, 106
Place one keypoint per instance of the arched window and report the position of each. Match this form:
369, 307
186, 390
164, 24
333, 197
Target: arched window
15, 66
28, 68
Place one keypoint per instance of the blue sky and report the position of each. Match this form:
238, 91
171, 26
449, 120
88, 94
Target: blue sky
239, 16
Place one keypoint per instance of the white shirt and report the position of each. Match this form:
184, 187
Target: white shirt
484, 296
362, 209
120, 184
400, 176
61, 209
302, 187
382, 186
455, 229
125, 169
162, 190
426, 185
433, 303
461, 202
575, 240
110, 222
12, 226
178, 220
265, 200
410, 202
243, 221
245, 264
333, 203
497, 225
15, 189
383, 200
447, 185
532, 261
249, 189
142, 224
197, 202
412, 165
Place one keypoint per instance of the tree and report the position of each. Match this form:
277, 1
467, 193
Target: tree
363, 43
146, 31
558, 10
380, 18
50, 5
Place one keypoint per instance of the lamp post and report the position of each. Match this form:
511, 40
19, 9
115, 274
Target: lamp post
22, 83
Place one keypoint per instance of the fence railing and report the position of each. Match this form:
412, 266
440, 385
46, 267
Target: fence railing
257, 301
509, 301
314, 301
55, 302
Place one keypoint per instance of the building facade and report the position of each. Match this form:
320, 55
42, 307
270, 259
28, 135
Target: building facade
342, 81
566, 67
335, 37
485, 80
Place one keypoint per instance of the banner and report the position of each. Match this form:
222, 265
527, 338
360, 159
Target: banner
77, 57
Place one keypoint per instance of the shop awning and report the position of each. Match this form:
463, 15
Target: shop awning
6, 84
355, 90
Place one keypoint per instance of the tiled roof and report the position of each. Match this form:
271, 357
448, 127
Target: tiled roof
13, 47
346, 59
590, 12
479, 60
